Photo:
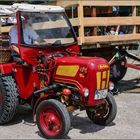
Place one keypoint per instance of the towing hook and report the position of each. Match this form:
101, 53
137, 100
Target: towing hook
47, 88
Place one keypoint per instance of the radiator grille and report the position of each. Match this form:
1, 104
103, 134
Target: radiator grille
102, 79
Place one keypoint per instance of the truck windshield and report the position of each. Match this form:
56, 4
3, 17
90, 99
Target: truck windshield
46, 29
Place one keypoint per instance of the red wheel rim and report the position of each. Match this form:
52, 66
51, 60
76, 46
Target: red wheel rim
50, 121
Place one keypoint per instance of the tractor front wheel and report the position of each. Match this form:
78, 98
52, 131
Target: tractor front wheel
52, 119
106, 113
8, 98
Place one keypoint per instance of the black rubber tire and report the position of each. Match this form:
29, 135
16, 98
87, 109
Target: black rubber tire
8, 98
118, 71
107, 117
61, 110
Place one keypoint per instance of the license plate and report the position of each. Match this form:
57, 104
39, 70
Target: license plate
100, 94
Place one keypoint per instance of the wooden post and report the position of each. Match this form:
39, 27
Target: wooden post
93, 14
81, 27
134, 14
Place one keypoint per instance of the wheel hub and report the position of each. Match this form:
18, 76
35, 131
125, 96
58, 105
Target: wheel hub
103, 111
51, 122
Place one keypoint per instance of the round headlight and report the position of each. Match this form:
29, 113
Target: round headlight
111, 86
86, 92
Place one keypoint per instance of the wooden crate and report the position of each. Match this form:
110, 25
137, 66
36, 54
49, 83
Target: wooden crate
81, 20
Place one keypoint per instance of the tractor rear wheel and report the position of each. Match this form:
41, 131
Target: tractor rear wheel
106, 113
53, 119
8, 98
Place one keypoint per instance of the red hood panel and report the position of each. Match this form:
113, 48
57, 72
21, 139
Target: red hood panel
82, 60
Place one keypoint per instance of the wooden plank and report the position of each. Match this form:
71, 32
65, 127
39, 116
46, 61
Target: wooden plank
81, 17
111, 3
75, 22
63, 40
64, 3
111, 38
108, 21
99, 3
44, 25
134, 14
5, 29
93, 14
134, 11
50, 24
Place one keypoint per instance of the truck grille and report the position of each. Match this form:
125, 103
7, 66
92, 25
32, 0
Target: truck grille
102, 79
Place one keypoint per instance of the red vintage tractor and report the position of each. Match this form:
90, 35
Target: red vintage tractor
51, 76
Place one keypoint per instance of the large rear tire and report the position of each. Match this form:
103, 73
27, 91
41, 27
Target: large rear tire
106, 114
52, 119
8, 98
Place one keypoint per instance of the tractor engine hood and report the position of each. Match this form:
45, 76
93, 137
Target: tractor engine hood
79, 69
78, 60
83, 72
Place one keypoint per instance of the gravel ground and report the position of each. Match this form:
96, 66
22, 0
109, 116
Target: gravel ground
125, 126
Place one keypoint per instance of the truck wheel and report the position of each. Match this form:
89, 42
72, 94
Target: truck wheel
106, 114
52, 119
8, 98
118, 70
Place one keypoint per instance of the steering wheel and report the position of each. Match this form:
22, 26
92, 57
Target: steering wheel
59, 54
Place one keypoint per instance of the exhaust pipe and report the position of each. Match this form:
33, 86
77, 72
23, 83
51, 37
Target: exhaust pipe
47, 88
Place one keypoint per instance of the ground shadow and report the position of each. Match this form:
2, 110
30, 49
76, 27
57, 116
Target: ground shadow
85, 125
24, 115
128, 85
82, 123
38, 132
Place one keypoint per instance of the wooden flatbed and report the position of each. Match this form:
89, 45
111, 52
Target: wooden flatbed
87, 14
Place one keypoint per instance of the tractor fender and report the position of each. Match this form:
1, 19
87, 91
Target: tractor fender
38, 101
6, 68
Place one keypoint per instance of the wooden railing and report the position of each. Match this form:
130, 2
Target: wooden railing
93, 21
